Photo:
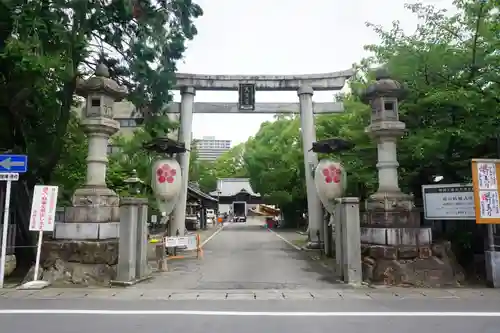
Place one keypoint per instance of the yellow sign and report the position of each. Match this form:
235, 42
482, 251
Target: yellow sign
486, 184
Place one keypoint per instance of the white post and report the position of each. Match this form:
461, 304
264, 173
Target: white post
315, 215
38, 252
4, 232
127, 246
186, 128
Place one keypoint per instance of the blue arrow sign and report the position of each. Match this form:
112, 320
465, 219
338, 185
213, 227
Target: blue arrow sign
13, 163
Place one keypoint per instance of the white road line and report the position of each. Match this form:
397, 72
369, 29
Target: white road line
243, 314
286, 240
212, 236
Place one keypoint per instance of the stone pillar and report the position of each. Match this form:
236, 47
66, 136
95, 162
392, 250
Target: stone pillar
387, 165
127, 255
142, 268
88, 238
315, 215
185, 132
348, 235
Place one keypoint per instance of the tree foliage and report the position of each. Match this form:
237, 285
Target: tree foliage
46, 45
451, 68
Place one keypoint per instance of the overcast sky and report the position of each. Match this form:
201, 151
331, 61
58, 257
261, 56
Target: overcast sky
280, 37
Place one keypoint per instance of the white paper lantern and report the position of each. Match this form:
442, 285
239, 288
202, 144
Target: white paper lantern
166, 182
331, 181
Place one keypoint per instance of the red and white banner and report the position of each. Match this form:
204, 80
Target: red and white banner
43, 208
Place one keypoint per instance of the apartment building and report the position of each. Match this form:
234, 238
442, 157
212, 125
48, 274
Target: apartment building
209, 148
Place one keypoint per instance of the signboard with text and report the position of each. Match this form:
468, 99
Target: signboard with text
485, 180
189, 242
246, 96
448, 202
43, 208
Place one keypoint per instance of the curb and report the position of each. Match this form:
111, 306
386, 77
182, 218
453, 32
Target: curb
298, 248
212, 236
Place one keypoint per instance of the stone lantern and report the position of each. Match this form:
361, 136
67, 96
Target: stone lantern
383, 96
88, 238
390, 229
101, 93
94, 201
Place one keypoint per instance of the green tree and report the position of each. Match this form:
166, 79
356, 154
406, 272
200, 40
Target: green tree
207, 179
275, 165
45, 46
450, 65
231, 164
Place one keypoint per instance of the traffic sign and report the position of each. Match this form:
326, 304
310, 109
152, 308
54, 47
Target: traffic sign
13, 163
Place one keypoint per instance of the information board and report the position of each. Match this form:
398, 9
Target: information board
189, 242
448, 202
485, 181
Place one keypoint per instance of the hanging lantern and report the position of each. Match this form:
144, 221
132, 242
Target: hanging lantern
166, 182
331, 182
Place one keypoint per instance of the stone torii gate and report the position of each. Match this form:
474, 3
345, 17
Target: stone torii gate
305, 85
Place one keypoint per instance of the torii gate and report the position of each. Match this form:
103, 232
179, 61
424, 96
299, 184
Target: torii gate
247, 85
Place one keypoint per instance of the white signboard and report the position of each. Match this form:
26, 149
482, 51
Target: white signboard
448, 202
192, 243
43, 208
170, 241
9, 176
185, 242
182, 241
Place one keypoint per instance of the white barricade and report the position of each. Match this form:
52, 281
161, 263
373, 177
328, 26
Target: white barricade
184, 243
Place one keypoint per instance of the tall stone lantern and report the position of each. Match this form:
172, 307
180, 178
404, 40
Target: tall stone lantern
86, 244
391, 227
95, 202
385, 128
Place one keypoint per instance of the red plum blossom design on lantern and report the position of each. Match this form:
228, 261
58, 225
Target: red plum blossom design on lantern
332, 174
166, 174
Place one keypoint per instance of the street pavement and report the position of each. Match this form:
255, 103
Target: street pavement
249, 280
245, 256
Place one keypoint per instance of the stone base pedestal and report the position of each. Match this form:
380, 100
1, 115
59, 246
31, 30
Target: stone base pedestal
84, 249
93, 204
78, 262
397, 251
427, 266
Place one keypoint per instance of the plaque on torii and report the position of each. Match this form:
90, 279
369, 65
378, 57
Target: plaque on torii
246, 97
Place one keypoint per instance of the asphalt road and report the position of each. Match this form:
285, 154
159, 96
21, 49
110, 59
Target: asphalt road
246, 256
83, 316
249, 280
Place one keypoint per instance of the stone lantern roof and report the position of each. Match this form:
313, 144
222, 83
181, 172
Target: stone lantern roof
101, 83
384, 86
